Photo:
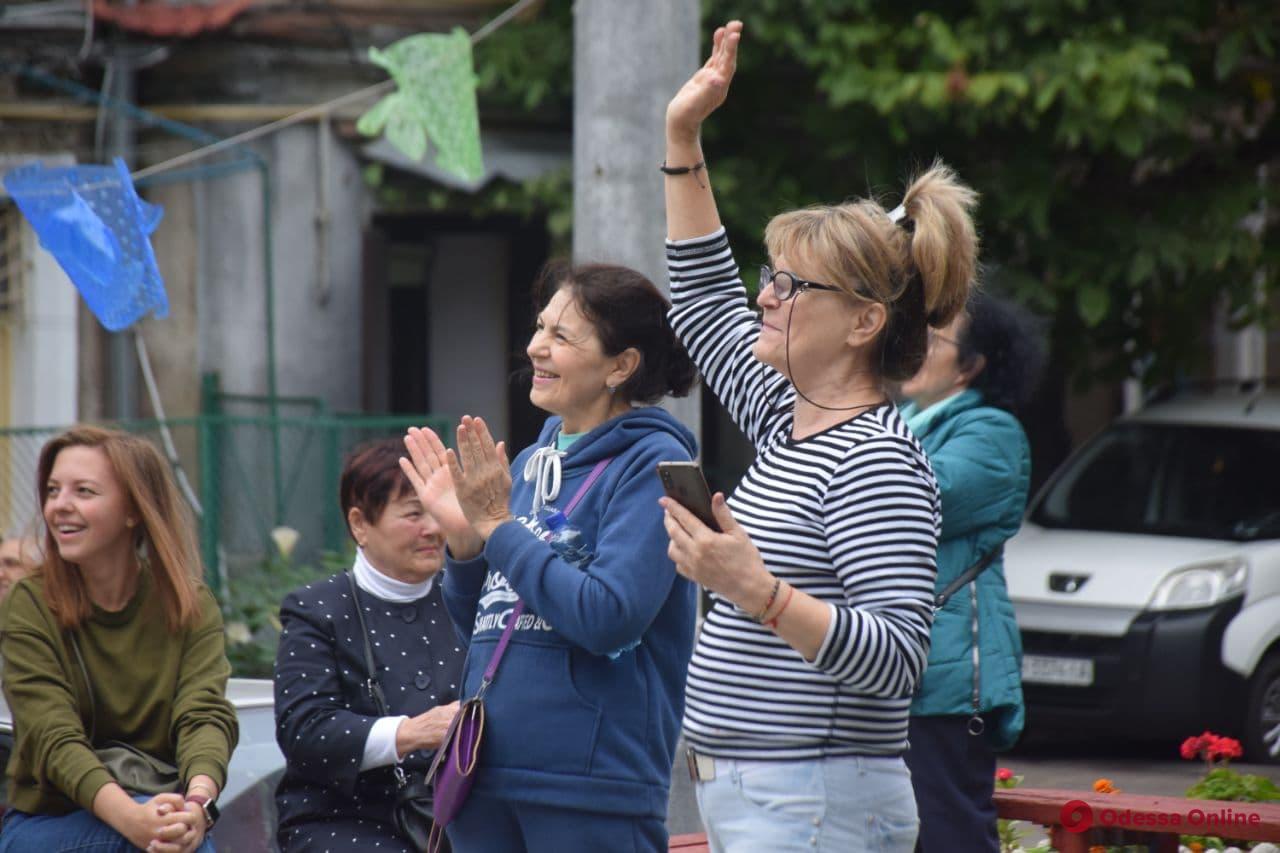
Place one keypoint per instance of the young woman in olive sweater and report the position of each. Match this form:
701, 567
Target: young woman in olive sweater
118, 591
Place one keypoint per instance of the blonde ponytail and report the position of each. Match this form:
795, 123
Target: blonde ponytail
944, 245
920, 265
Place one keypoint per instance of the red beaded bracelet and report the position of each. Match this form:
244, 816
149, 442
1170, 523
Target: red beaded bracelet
773, 595
773, 623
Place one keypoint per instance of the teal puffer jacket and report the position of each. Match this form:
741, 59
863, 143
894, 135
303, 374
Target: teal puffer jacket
982, 462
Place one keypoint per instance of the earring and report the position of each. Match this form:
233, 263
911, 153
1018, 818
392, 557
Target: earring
612, 388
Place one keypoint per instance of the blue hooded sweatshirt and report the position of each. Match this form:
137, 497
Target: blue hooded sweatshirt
568, 725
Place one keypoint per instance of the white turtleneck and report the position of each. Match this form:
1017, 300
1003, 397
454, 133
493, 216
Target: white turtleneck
381, 585
380, 745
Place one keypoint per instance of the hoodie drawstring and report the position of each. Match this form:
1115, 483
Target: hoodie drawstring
543, 467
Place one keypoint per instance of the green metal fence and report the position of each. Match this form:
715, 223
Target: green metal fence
252, 473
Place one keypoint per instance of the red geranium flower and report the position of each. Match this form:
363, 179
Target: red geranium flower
1225, 747
1211, 747
1004, 774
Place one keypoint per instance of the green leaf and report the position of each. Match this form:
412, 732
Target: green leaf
1143, 265
1093, 302
1230, 49
1128, 139
1047, 94
983, 88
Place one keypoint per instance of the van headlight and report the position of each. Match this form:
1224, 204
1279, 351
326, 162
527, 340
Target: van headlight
1201, 585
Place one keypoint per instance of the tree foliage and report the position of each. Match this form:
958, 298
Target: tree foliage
1128, 155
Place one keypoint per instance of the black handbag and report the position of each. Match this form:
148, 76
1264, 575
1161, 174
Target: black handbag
412, 812
134, 770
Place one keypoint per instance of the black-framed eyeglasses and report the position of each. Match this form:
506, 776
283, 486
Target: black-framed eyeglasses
787, 285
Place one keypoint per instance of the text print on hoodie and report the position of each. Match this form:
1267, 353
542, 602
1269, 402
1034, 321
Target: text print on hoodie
566, 724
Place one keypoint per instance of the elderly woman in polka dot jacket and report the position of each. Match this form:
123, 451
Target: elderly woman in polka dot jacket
338, 789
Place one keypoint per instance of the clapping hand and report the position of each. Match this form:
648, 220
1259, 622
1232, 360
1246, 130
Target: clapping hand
428, 471
706, 90
481, 476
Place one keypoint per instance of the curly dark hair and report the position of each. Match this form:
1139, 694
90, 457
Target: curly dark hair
1010, 338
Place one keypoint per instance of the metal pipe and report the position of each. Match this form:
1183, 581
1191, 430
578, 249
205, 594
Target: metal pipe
115, 136
323, 151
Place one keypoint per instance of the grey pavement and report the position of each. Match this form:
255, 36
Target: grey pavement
682, 807
1155, 769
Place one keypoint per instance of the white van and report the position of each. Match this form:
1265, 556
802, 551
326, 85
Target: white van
1146, 577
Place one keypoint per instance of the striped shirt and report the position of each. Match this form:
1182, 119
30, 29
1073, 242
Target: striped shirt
850, 516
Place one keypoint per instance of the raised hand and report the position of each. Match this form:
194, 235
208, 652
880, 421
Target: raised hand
428, 471
706, 90
481, 476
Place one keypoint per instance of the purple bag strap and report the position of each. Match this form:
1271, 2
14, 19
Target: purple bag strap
492, 669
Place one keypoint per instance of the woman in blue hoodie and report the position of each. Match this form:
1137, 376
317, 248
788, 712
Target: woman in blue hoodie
583, 716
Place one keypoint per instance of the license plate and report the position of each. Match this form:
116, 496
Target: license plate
1042, 669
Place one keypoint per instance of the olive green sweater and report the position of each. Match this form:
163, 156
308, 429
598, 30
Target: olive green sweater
162, 693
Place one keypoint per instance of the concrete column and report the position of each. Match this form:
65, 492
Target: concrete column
629, 59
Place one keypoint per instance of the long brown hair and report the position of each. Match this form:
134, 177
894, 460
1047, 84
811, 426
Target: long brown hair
166, 528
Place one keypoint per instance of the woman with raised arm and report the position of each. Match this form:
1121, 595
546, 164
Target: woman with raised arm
583, 714
822, 579
114, 646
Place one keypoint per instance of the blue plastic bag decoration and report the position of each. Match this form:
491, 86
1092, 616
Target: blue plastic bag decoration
91, 220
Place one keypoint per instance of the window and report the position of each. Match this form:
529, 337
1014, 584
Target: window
1173, 480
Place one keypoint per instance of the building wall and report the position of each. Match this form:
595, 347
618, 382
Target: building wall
45, 344
467, 311
318, 327
40, 360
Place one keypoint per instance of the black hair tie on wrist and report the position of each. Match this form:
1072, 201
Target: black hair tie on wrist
684, 170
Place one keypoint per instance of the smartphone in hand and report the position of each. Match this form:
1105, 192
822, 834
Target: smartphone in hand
683, 482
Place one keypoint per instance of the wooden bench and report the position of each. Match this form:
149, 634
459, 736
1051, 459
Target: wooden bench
1137, 818
695, 842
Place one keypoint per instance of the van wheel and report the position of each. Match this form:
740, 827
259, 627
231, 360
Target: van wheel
1262, 725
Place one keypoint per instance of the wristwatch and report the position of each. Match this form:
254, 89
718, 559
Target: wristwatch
208, 807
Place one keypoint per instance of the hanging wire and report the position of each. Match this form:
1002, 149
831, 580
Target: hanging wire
166, 437
319, 109
307, 114
87, 42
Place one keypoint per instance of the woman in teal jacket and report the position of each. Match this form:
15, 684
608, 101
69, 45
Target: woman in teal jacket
979, 370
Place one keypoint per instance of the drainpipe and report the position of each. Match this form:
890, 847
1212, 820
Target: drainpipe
324, 286
121, 358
